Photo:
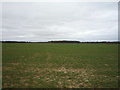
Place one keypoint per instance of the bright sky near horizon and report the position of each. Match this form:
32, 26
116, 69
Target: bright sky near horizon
44, 21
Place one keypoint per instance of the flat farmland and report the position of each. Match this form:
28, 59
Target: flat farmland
59, 65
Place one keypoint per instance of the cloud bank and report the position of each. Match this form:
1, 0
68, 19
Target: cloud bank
60, 21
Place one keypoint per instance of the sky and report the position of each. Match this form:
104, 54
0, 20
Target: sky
46, 21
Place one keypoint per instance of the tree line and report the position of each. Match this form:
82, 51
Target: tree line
59, 42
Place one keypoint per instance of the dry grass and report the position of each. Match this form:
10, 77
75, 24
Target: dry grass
63, 77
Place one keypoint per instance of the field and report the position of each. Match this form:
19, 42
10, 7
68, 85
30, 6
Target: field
52, 65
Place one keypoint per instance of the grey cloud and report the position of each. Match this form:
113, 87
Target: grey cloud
58, 21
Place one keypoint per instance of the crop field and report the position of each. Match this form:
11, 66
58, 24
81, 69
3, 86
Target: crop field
57, 65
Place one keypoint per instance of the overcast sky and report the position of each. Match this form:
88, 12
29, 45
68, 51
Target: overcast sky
60, 21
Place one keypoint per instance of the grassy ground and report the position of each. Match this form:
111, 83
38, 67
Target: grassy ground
49, 65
